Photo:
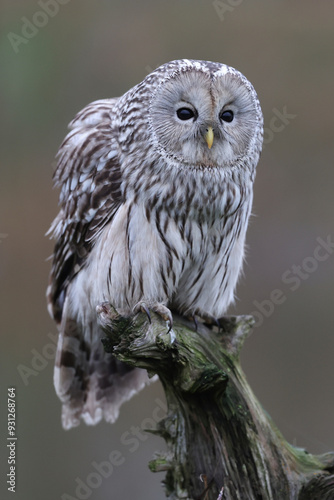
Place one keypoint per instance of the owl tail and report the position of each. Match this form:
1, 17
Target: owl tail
91, 384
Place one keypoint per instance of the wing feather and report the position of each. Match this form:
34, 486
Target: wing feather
88, 173
90, 383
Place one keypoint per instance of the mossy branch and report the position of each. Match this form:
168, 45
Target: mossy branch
221, 443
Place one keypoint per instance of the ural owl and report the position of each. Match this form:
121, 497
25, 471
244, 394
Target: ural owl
156, 192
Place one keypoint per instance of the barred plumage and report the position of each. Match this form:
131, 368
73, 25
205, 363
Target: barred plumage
156, 192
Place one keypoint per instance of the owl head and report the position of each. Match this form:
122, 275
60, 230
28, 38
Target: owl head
203, 114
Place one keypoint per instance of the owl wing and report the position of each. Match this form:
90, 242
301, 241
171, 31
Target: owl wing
89, 176
90, 383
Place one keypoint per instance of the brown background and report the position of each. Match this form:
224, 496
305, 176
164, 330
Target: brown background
90, 50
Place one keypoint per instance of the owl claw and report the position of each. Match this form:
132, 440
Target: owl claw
210, 320
169, 318
158, 308
195, 322
146, 310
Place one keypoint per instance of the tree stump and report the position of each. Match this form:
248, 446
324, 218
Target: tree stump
221, 443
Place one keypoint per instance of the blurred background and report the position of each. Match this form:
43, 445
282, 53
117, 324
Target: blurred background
57, 56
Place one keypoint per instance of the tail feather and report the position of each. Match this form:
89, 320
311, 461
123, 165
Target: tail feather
91, 383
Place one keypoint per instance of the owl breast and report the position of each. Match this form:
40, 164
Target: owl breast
183, 251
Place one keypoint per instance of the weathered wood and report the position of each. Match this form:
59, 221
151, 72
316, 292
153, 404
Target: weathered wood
221, 443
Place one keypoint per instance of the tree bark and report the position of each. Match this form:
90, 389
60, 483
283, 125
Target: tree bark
221, 443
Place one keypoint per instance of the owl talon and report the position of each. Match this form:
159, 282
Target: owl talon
169, 318
195, 322
142, 307
158, 308
210, 320
146, 310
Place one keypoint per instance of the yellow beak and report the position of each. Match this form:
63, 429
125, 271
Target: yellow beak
208, 136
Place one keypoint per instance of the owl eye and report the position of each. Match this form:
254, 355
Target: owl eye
227, 115
185, 113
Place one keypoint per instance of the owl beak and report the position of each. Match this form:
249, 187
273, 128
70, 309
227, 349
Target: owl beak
208, 136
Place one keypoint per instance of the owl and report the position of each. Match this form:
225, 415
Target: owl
155, 195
